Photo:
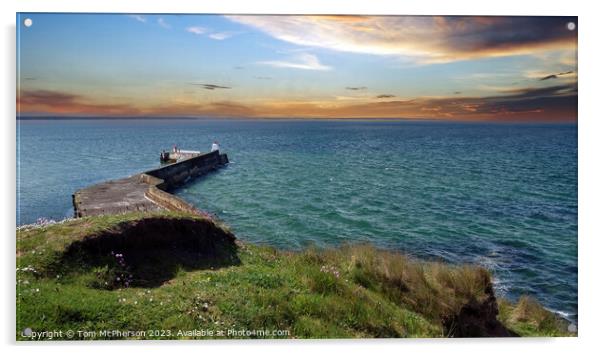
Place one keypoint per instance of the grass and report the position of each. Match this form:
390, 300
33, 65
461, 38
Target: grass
164, 275
529, 319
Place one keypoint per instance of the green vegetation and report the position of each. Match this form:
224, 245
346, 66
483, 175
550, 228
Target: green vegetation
170, 272
529, 319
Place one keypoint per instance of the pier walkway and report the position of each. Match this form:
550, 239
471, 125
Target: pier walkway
147, 191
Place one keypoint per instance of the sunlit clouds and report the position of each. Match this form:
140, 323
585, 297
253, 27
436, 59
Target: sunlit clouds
424, 38
415, 67
554, 103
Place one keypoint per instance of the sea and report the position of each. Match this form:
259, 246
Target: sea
500, 195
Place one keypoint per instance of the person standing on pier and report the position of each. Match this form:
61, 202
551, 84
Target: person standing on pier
215, 146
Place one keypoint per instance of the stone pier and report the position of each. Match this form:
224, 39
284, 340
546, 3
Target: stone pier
146, 191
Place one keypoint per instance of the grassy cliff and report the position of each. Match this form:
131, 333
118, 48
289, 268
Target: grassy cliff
165, 275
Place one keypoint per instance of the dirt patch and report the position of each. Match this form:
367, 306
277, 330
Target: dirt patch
151, 251
478, 319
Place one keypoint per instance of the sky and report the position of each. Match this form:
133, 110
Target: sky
267, 66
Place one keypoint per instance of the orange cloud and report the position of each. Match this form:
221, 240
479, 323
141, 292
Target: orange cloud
555, 103
212, 109
427, 39
48, 101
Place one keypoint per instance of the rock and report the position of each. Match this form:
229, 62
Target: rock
478, 319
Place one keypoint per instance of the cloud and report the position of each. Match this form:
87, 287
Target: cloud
304, 62
557, 90
262, 77
162, 23
558, 103
49, 101
196, 30
138, 18
211, 109
385, 96
555, 76
47, 97
356, 88
553, 103
528, 103
425, 39
346, 98
210, 86
220, 36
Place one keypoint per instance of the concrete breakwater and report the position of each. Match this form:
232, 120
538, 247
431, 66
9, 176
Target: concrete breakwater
146, 191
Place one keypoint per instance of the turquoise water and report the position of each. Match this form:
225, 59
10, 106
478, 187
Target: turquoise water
501, 195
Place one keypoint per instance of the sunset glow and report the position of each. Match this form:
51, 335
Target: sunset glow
420, 67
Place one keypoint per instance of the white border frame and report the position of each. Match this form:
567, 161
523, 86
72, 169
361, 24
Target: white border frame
589, 167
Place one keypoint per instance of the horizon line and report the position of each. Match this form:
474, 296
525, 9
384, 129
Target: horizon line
241, 118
